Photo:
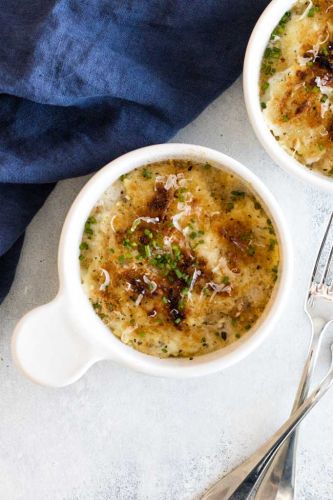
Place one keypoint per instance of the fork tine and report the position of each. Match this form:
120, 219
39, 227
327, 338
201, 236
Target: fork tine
327, 267
315, 269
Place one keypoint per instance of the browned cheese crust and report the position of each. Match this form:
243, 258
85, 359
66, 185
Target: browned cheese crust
179, 259
296, 84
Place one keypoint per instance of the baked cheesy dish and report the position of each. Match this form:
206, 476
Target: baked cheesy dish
296, 84
179, 258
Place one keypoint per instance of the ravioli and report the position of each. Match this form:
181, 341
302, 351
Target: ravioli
179, 258
296, 84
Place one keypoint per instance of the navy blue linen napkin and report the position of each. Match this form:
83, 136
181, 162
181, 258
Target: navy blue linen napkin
83, 81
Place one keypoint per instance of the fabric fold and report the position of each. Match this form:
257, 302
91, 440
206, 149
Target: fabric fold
84, 81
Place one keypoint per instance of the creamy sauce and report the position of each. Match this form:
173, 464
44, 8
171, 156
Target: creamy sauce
179, 259
296, 84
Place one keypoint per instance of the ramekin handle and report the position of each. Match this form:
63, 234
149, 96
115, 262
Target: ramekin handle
48, 348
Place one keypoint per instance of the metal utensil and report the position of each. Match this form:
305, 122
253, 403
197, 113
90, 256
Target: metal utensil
251, 475
278, 479
239, 483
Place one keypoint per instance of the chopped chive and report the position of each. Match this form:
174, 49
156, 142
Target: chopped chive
148, 233
87, 228
91, 220
176, 250
178, 273
272, 53
312, 11
84, 246
147, 174
135, 224
200, 242
268, 69
251, 251
272, 244
181, 305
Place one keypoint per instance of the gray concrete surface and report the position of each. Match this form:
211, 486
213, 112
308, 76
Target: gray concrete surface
120, 435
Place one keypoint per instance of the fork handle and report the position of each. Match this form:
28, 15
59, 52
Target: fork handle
239, 482
278, 478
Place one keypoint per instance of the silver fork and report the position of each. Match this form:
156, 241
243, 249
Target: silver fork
277, 481
256, 477
242, 490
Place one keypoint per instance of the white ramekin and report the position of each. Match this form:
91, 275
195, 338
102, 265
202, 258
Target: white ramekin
253, 58
57, 342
